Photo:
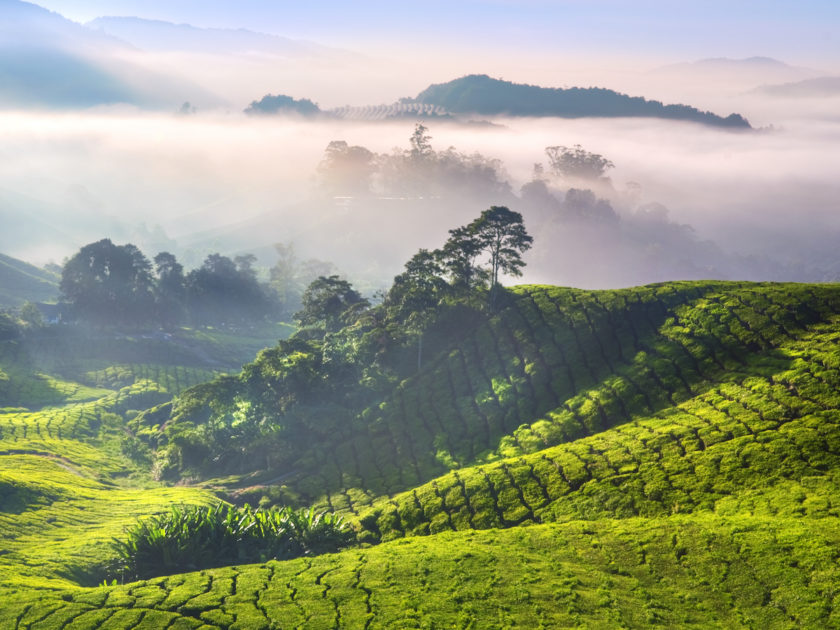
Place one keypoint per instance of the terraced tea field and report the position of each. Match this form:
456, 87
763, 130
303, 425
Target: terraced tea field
69, 480
659, 456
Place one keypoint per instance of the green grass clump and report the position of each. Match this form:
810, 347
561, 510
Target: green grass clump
188, 538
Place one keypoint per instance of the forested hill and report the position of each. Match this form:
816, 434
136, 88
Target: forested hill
481, 94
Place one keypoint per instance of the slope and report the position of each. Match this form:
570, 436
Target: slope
636, 573
21, 282
71, 477
663, 455
558, 365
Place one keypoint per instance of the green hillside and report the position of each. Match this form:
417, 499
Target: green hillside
481, 94
21, 282
658, 456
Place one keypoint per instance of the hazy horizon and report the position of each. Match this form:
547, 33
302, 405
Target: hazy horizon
120, 171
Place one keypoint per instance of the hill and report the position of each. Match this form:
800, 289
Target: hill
820, 87
662, 455
481, 94
40, 51
165, 36
724, 73
21, 282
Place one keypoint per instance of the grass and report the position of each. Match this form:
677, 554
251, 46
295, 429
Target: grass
679, 571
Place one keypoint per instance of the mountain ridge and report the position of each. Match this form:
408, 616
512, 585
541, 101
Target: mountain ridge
481, 94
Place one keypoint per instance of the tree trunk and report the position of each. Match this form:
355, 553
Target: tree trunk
419, 351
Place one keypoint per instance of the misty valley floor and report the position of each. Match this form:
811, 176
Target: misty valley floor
665, 456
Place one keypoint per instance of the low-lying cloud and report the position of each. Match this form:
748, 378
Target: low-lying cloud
225, 182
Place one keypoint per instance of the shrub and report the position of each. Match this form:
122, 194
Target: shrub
192, 538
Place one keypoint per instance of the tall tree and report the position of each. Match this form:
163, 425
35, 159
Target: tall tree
577, 162
109, 284
501, 235
170, 289
416, 293
219, 291
346, 169
458, 257
329, 302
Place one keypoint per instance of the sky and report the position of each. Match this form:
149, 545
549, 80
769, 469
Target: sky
805, 32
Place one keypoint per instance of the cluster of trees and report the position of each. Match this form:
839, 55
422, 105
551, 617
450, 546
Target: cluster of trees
108, 284
346, 353
271, 104
481, 94
419, 171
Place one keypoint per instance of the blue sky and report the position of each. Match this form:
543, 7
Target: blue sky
807, 31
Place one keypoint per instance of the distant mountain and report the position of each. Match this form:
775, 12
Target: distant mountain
813, 88
481, 94
27, 24
21, 282
742, 73
49, 61
166, 36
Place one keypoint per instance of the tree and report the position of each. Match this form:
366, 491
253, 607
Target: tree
416, 293
347, 170
329, 302
421, 145
577, 162
290, 276
583, 204
503, 238
245, 266
31, 315
8, 329
109, 284
170, 289
271, 104
458, 257
220, 291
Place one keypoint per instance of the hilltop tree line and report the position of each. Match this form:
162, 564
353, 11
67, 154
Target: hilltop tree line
346, 352
117, 285
418, 171
562, 188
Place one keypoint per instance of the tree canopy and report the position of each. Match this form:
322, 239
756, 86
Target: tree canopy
329, 303
109, 284
577, 162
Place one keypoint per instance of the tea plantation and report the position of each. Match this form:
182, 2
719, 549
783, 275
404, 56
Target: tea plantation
665, 456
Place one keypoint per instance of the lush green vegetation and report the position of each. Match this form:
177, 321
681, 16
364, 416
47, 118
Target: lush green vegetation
194, 537
72, 476
657, 456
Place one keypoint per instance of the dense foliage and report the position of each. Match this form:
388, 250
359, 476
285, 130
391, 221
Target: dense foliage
347, 355
271, 104
114, 285
480, 94
189, 538
418, 171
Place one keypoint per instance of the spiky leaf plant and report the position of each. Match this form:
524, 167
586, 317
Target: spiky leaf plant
192, 538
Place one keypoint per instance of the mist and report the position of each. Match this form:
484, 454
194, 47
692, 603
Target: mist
688, 200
